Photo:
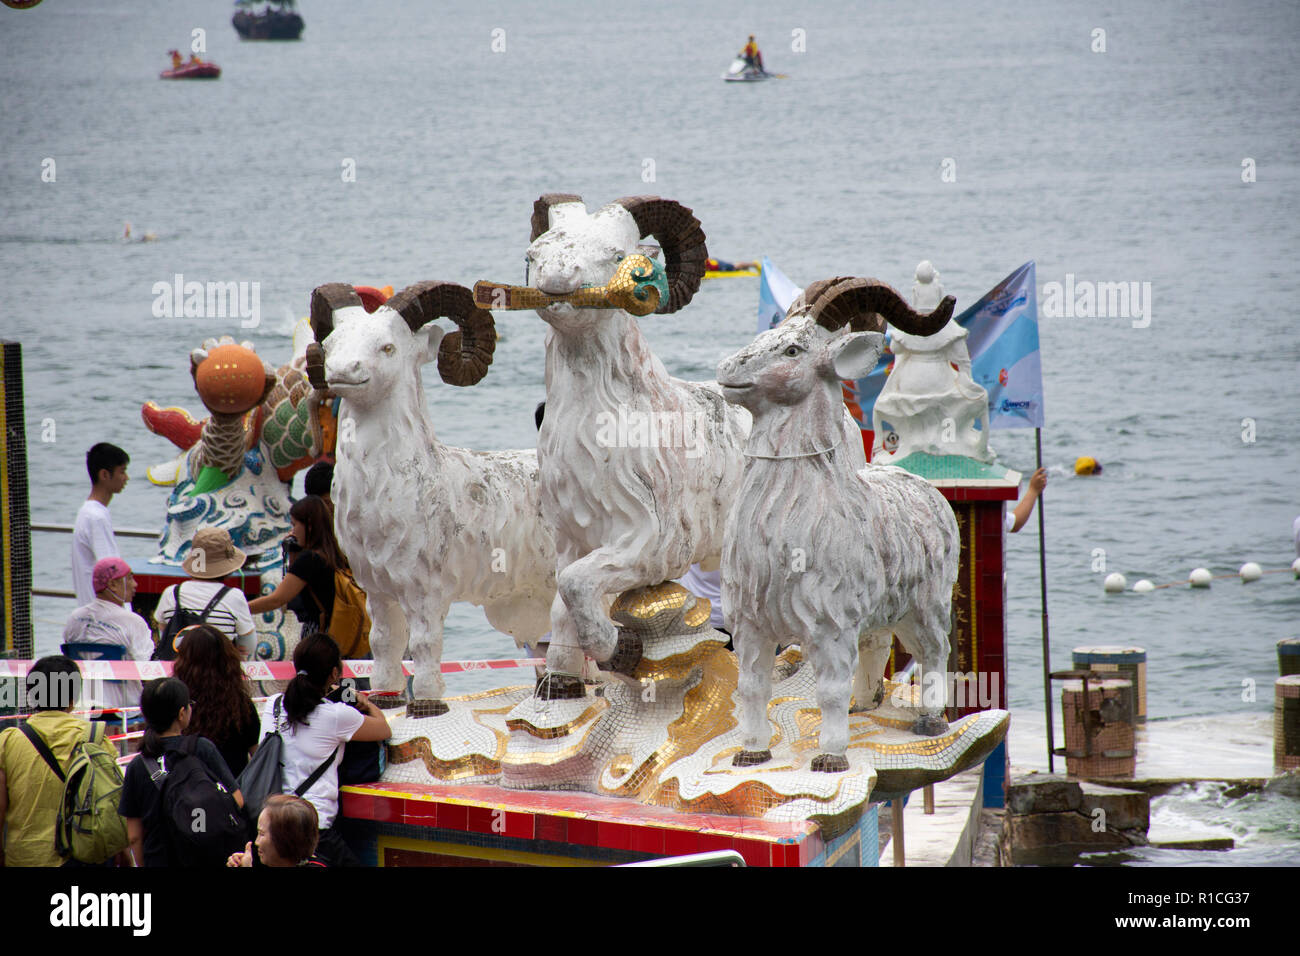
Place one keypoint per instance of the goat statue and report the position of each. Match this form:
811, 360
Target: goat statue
637, 468
819, 551
424, 524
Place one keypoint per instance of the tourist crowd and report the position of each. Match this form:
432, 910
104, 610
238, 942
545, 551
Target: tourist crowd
216, 781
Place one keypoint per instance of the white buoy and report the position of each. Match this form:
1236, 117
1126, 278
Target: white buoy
1144, 586
1200, 578
1114, 583
1250, 571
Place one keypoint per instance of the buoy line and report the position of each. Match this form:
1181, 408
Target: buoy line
1116, 583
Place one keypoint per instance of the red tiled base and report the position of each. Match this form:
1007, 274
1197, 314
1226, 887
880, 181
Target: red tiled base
580, 819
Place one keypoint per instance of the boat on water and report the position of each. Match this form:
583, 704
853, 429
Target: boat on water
722, 269
742, 72
195, 69
276, 20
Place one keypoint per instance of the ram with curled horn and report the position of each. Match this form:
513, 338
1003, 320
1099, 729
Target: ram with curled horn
638, 468
880, 544
424, 524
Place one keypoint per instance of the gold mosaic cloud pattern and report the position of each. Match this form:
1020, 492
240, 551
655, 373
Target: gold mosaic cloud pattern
464, 745
666, 736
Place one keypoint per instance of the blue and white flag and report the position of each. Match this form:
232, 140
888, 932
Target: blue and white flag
1004, 356
1002, 340
775, 295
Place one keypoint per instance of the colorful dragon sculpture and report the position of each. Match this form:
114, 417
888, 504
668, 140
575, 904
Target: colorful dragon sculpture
264, 426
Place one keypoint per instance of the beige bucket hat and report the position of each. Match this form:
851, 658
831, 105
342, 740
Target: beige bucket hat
212, 555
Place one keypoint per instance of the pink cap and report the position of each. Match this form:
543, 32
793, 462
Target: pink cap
106, 571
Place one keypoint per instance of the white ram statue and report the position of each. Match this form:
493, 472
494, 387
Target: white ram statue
819, 550
424, 524
638, 468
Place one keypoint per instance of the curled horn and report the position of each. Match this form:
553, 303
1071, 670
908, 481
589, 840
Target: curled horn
677, 230
542, 211
464, 355
867, 304
325, 300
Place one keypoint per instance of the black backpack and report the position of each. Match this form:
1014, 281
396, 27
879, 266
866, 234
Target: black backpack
203, 822
182, 618
264, 775
363, 761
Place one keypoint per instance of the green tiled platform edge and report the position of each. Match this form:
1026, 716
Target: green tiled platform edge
938, 468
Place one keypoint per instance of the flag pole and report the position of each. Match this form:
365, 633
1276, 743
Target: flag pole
1042, 576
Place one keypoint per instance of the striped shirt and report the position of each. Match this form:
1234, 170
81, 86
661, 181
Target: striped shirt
231, 615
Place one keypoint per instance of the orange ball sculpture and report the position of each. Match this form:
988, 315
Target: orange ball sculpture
231, 379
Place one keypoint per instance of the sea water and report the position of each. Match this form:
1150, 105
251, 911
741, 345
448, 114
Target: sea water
1151, 144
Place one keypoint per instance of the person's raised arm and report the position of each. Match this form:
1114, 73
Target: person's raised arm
290, 587
374, 726
1025, 507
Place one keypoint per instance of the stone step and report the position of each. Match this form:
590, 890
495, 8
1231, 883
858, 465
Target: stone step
1168, 838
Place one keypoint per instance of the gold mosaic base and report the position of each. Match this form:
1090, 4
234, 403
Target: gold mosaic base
464, 745
667, 735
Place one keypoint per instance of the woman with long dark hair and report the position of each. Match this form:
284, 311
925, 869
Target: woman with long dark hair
210, 667
308, 585
168, 710
314, 731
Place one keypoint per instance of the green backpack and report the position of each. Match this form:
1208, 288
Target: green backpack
89, 828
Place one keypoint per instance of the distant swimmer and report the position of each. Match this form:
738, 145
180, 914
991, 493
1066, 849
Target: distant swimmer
176, 59
1087, 466
752, 56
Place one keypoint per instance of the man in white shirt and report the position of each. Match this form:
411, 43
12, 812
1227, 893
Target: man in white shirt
92, 535
108, 619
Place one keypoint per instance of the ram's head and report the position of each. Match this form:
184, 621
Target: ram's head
365, 356
571, 250
834, 330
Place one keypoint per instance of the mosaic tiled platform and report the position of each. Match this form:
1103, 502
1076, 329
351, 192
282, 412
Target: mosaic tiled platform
406, 824
665, 737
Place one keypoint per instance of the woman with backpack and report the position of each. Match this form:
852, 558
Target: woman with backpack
314, 730
308, 585
210, 667
171, 778
203, 599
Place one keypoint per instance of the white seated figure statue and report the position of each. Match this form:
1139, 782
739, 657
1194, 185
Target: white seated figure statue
930, 403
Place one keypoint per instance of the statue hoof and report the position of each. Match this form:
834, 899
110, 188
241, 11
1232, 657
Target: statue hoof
830, 763
751, 758
426, 707
560, 687
388, 699
929, 726
626, 656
